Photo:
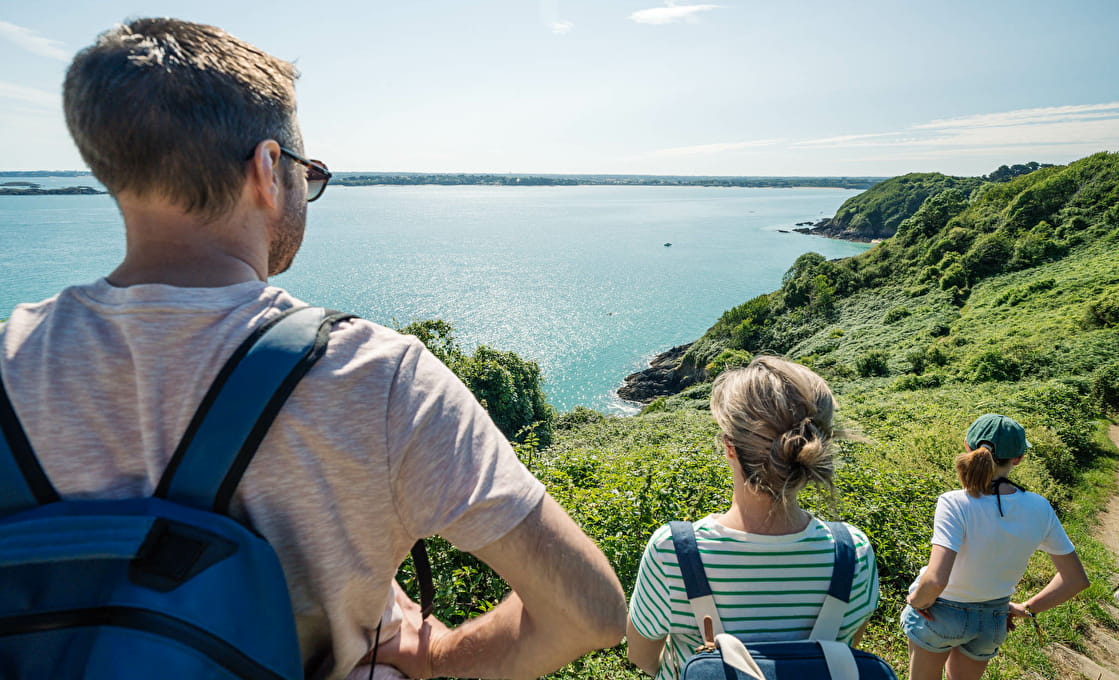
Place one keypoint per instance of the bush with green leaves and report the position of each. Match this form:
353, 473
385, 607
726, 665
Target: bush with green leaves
896, 314
727, 359
1105, 387
509, 387
1103, 312
872, 363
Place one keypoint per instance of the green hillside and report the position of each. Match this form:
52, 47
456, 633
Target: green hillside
1003, 297
877, 212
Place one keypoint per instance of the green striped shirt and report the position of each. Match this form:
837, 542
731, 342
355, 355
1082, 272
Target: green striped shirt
766, 587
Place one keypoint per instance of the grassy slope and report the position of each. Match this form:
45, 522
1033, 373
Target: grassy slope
622, 477
1006, 334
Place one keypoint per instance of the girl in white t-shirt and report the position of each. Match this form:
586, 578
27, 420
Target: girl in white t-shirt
959, 608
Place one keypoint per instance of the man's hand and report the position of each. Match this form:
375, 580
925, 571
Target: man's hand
565, 601
411, 649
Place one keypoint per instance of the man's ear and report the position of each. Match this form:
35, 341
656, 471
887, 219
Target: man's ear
263, 180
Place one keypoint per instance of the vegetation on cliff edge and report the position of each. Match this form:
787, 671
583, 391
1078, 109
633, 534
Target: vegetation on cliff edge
1004, 299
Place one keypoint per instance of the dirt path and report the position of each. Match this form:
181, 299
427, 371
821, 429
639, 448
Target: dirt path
1102, 659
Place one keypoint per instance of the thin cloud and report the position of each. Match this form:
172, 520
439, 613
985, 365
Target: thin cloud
671, 14
711, 149
31, 41
965, 143
1027, 116
29, 95
1092, 125
550, 17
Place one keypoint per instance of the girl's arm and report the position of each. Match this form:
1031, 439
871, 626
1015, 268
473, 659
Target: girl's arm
1069, 580
643, 652
933, 581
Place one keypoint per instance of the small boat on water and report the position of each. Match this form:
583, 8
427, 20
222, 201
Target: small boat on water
668, 245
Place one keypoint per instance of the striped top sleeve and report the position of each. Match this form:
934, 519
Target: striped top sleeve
765, 587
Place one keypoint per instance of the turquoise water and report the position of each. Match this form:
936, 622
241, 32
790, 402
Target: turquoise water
576, 278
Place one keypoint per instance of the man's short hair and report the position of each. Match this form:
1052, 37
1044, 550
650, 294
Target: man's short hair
170, 108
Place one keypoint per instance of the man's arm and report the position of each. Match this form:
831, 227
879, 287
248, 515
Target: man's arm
566, 601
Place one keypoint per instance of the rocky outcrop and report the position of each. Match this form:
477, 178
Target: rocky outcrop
829, 228
667, 374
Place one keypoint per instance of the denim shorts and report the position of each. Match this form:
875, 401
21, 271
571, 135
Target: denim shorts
977, 628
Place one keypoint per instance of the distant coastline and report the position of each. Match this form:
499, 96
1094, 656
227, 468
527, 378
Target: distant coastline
358, 179
457, 179
32, 189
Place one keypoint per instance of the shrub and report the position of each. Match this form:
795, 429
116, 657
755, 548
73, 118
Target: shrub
439, 338
1065, 411
658, 405
1105, 387
896, 314
874, 362
727, 359
1103, 312
580, 415
509, 387
916, 359
992, 365
918, 382
988, 255
953, 277
1013, 296
939, 330
958, 296
936, 356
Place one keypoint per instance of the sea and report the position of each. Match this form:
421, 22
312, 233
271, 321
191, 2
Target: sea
590, 282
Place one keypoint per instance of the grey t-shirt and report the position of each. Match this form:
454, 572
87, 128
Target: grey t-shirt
380, 444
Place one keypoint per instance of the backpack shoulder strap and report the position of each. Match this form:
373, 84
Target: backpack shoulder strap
240, 406
696, 586
23, 484
830, 618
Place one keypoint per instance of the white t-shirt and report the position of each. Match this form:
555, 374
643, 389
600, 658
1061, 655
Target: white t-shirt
992, 551
379, 444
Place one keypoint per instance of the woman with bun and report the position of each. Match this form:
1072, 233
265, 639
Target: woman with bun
959, 608
768, 560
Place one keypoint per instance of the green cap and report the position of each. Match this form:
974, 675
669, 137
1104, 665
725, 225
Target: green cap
1006, 437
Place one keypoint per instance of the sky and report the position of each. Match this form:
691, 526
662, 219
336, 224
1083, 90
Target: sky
732, 87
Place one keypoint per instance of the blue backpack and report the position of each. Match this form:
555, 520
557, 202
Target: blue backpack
730, 657
163, 587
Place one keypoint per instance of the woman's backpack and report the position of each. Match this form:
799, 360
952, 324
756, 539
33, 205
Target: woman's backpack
730, 657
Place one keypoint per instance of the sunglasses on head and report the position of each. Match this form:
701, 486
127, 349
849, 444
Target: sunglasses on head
317, 174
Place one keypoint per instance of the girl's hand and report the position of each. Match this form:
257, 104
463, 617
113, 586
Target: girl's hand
923, 612
1017, 611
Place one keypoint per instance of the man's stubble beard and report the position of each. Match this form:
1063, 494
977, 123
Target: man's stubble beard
288, 233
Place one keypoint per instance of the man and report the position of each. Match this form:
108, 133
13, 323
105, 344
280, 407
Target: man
194, 133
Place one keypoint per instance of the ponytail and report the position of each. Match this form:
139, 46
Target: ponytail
976, 470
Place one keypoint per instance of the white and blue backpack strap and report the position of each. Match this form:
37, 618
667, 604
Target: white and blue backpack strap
696, 585
841, 661
23, 484
241, 404
830, 618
